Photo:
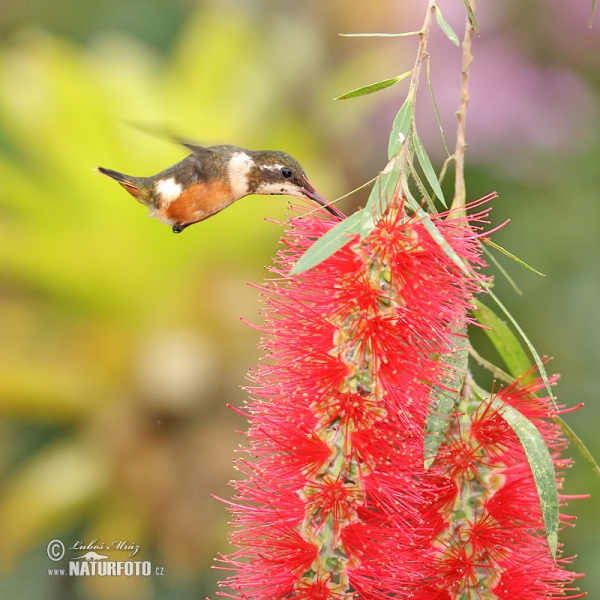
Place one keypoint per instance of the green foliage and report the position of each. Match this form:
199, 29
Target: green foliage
428, 169
437, 116
383, 192
329, 243
401, 126
512, 257
445, 27
515, 358
373, 87
536, 357
434, 232
471, 15
384, 35
444, 399
503, 339
539, 459
578, 443
541, 465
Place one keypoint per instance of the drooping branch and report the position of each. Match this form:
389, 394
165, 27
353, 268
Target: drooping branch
461, 142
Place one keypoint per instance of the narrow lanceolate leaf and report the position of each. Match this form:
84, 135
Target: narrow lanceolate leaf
373, 87
592, 13
471, 14
536, 356
433, 231
421, 186
576, 441
502, 270
428, 169
401, 127
329, 243
380, 34
504, 340
445, 398
383, 191
512, 256
541, 465
437, 113
497, 372
445, 27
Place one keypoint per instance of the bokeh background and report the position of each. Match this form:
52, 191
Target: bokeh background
121, 344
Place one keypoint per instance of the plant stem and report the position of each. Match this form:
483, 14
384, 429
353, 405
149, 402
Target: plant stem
414, 80
461, 143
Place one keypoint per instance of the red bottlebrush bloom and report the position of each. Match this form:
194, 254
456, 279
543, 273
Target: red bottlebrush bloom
331, 507
493, 544
336, 504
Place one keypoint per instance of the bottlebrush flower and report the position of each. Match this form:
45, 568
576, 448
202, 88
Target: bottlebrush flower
490, 543
335, 503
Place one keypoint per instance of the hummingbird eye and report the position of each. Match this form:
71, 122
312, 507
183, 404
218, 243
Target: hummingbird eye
286, 172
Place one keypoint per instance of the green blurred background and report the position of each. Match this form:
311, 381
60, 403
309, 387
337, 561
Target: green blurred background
121, 343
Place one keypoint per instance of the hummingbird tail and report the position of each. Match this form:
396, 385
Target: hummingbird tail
133, 189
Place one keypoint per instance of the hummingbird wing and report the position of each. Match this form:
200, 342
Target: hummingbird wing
191, 145
165, 133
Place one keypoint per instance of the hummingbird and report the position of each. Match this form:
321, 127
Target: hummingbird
211, 178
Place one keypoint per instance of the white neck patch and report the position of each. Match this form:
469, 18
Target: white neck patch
168, 190
238, 168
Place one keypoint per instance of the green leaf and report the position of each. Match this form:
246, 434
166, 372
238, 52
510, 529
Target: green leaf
502, 270
445, 27
592, 13
433, 231
541, 465
512, 256
382, 191
401, 126
536, 356
471, 14
444, 398
576, 441
506, 343
428, 169
329, 243
421, 186
381, 34
367, 224
437, 112
497, 372
373, 87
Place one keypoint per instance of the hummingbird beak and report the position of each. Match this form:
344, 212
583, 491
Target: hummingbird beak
309, 191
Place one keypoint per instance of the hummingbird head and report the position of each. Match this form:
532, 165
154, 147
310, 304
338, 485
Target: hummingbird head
269, 172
